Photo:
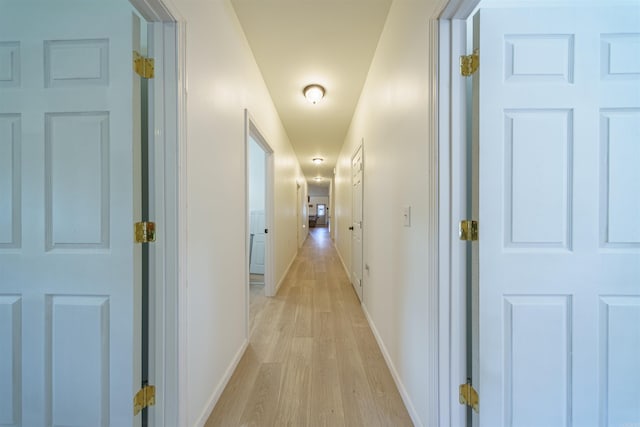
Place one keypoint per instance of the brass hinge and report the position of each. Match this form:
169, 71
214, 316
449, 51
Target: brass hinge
469, 63
469, 396
145, 397
143, 66
144, 232
469, 230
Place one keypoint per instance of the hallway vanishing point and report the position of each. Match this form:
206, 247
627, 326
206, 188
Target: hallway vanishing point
312, 359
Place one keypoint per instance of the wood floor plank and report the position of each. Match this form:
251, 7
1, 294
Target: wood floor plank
321, 301
293, 407
229, 408
323, 325
303, 321
383, 388
312, 359
326, 409
356, 394
260, 409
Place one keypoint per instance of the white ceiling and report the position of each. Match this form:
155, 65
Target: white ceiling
299, 42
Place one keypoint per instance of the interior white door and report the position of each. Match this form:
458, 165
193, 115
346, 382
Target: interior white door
258, 247
69, 290
559, 210
356, 226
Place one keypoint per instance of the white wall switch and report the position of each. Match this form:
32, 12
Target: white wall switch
406, 216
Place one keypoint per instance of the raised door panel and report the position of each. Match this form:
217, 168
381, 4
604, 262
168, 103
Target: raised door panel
10, 360
537, 366
619, 373
538, 205
10, 181
77, 180
620, 153
78, 360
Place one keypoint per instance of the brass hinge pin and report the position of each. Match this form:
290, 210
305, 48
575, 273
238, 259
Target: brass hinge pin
144, 398
469, 230
144, 232
469, 396
469, 63
143, 66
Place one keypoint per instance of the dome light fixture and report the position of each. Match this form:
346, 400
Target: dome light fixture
317, 178
317, 160
314, 93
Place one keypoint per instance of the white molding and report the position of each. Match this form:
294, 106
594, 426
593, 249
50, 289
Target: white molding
394, 373
450, 42
432, 303
444, 223
252, 129
211, 404
346, 270
182, 289
167, 364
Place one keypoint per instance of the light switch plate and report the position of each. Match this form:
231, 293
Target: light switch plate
406, 216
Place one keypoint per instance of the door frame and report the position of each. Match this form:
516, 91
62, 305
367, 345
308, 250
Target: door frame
450, 34
252, 130
167, 367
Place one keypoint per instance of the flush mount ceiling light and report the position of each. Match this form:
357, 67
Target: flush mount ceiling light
317, 178
317, 160
314, 93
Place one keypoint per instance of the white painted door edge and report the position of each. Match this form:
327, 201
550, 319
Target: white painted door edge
169, 107
450, 255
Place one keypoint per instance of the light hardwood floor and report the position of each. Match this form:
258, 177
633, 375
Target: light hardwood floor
312, 359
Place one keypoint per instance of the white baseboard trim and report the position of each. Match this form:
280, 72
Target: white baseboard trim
221, 386
346, 270
396, 378
286, 271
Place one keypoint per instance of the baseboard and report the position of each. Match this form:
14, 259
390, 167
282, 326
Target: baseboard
394, 373
221, 386
284, 276
346, 270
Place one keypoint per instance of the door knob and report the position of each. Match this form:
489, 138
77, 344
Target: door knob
351, 228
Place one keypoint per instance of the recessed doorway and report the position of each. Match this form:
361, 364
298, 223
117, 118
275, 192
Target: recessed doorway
259, 169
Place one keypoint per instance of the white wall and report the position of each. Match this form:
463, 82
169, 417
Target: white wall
391, 117
223, 79
318, 190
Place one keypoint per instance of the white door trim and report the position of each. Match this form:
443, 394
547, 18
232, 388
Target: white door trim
251, 129
168, 295
451, 254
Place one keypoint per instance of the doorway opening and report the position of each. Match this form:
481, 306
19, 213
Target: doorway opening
259, 175
321, 215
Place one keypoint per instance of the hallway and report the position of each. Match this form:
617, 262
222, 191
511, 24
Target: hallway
312, 359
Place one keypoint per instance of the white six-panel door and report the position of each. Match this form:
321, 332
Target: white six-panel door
559, 216
356, 212
67, 288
